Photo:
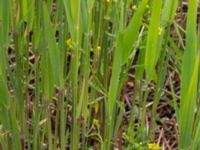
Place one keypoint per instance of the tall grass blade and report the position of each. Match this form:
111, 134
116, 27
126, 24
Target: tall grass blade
189, 76
152, 40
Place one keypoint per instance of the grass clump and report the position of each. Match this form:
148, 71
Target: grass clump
99, 74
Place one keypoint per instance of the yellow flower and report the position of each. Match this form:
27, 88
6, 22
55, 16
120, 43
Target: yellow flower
134, 7
147, 6
98, 48
160, 30
96, 107
95, 122
69, 43
154, 146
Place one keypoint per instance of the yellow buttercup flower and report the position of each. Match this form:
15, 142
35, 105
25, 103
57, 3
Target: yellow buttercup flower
160, 30
69, 43
95, 122
134, 7
154, 146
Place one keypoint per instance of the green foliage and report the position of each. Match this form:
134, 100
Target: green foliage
189, 80
66, 67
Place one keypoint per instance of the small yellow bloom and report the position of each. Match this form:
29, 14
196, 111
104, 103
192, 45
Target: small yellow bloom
154, 146
95, 122
134, 7
108, 1
147, 6
96, 107
69, 43
160, 30
98, 48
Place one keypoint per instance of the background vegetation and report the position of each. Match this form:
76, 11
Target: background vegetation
99, 74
